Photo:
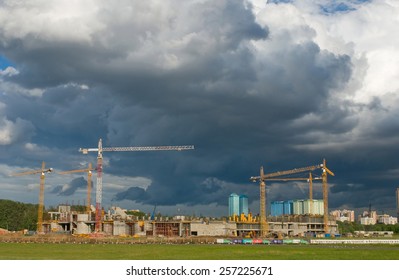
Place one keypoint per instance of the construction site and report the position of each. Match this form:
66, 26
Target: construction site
117, 223
95, 222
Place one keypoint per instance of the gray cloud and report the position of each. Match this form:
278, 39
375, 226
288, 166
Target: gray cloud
71, 187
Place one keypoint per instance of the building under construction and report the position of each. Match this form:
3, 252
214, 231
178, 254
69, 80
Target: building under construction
116, 222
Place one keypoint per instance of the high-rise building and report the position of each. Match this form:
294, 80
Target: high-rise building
288, 207
243, 204
238, 204
277, 208
297, 207
343, 215
234, 204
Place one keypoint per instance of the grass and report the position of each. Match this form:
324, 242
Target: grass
36, 251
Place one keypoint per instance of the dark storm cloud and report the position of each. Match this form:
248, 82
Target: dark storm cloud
71, 187
133, 193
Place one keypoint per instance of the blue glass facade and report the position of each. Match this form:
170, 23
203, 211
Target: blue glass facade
297, 207
234, 204
277, 208
243, 205
288, 207
238, 204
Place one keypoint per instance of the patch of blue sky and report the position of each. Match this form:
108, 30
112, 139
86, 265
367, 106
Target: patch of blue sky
4, 62
280, 1
332, 7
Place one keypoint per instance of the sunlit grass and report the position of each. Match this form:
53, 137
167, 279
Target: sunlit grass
33, 251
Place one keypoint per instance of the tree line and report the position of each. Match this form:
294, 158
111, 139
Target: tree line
351, 227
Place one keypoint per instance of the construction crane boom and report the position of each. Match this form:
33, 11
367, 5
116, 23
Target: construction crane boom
99, 168
42, 172
89, 174
287, 172
293, 179
138, 149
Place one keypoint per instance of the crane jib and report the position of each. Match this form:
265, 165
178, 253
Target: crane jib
138, 149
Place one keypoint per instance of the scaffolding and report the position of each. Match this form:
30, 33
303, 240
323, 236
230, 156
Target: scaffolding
167, 229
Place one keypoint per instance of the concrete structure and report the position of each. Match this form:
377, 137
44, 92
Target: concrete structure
214, 228
290, 226
117, 223
278, 226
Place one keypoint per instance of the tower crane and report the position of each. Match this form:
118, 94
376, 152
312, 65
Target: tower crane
309, 180
264, 226
99, 168
89, 170
42, 172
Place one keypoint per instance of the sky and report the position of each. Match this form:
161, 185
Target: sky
251, 83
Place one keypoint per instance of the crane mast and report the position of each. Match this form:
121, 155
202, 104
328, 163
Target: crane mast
325, 194
42, 172
99, 168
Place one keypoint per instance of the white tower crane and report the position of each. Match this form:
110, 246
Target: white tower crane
99, 168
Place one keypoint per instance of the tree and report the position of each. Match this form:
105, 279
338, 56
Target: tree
16, 216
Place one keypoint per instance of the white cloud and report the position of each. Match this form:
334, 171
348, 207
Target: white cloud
63, 20
11, 132
9, 71
367, 32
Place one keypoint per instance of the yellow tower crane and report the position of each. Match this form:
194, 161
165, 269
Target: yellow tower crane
42, 171
89, 174
264, 226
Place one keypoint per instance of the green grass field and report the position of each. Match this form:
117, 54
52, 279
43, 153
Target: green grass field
32, 251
